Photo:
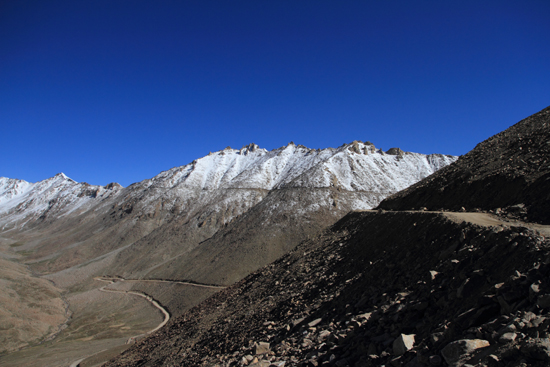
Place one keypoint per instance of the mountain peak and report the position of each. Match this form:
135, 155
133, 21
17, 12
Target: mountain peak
62, 176
249, 148
395, 151
113, 185
357, 146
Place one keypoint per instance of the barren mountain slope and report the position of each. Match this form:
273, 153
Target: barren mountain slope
261, 235
32, 308
369, 279
160, 220
508, 169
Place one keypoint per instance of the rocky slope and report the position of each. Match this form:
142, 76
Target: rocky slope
411, 288
508, 173
352, 295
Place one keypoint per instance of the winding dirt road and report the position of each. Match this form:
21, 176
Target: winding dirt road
147, 297
155, 303
161, 281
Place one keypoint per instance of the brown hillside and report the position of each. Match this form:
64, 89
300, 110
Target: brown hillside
369, 279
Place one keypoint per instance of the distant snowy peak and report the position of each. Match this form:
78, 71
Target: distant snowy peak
355, 167
58, 194
11, 188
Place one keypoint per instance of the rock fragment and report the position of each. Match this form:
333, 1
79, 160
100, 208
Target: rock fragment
261, 348
507, 338
460, 350
314, 322
402, 344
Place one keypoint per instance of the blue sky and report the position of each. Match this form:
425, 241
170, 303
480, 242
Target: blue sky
119, 90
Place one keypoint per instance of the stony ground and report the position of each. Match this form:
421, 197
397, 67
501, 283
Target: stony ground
389, 288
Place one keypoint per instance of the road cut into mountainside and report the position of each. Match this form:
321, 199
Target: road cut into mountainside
119, 279
488, 220
482, 219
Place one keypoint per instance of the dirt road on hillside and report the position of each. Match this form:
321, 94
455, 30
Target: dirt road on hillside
488, 220
163, 281
147, 297
155, 303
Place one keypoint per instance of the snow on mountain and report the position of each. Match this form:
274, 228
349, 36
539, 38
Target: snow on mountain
56, 196
355, 167
359, 167
12, 188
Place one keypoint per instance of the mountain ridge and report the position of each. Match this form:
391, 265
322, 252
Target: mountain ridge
250, 167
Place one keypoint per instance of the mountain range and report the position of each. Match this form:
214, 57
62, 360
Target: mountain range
210, 222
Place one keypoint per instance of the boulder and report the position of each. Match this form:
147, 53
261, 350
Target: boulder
507, 338
538, 349
460, 350
314, 322
402, 344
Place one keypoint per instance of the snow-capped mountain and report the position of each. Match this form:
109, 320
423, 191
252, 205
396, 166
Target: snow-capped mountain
12, 188
258, 204
199, 221
55, 196
355, 167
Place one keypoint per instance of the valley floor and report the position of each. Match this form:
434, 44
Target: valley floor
103, 321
